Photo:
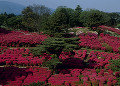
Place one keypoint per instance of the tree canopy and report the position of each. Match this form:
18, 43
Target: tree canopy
34, 16
93, 18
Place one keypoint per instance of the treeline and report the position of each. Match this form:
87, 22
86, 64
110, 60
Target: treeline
40, 18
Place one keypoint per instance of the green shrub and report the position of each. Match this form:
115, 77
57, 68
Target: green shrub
80, 76
54, 56
118, 26
108, 48
115, 65
98, 70
52, 63
37, 51
54, 45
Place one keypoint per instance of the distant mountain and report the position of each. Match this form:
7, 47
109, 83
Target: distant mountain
10, 7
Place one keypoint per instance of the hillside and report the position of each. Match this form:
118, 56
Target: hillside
10, 7
32, 59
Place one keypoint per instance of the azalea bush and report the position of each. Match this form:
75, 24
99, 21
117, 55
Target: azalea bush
33, 76
108, 48
71, 68
21, 38
113, 43
115, 66
22, 57
110, 29
90, 40
60, 61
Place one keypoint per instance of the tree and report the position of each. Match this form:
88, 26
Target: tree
60, 20
41, 15
34, 16
28, 18
14, 22
2, 19
93, 18
78, 9
114, 19
54, 45
77, 13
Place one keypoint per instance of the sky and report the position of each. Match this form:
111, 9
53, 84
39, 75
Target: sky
102, 5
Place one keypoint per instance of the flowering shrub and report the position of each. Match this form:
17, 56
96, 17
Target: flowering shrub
102, 42
13, 76
73, 68
74, 71
91, 41
101, 59
112, 41
22, 57
59, 79
110, 29
18, 39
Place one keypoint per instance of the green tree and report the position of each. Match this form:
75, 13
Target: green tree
54, 45
114, 19
93, 18
28, 18
41, 15
34, 16
14, 22
60, 20
2, 19
77, 13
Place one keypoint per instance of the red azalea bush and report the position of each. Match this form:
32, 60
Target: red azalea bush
101, 59
22, 57
91, 41
13, 76
73, 75
110, 29
78, 68
15, 38
60, 79
112, 41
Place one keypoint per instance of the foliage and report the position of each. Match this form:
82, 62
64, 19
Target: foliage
97, 70
34, 17
38, 50
60, 20
52, 63
14, 22
118, 26
76, 15
93, 18
28, 18
59, 44
114, 19
115, 65
54, 45
2, 19
80, 76
108, 48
